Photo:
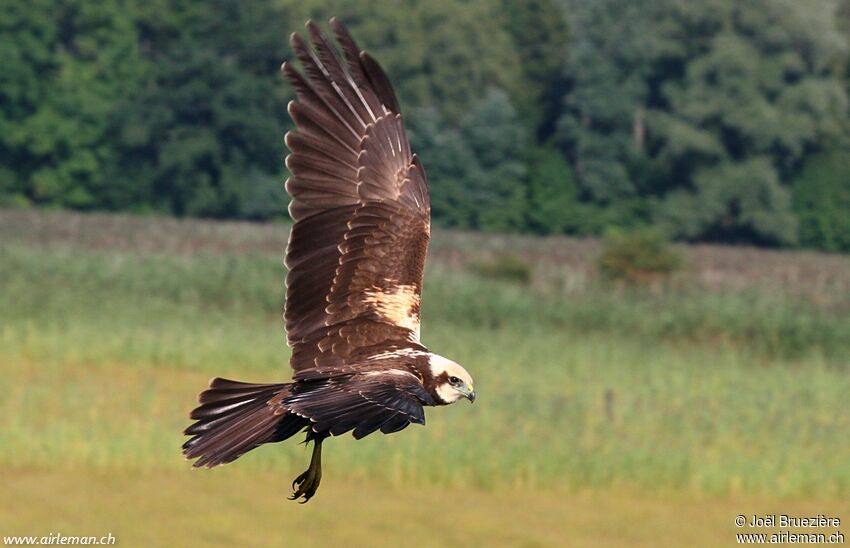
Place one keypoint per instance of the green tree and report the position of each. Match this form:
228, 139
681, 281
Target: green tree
449, 164
203, 135
553, 206
498, 140
733, 202
612, 49
705, 108
540, 36
822, 200
476, 167
66, 66
754, 97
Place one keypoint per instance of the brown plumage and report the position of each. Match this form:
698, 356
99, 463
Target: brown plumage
356, 257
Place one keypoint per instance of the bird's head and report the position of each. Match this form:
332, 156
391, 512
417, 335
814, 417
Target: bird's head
452, 382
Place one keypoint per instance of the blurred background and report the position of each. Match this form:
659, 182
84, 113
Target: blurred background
642, 216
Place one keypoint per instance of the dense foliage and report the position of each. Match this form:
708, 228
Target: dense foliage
545, 116
822, 201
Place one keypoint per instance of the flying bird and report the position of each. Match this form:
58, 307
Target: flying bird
355, 260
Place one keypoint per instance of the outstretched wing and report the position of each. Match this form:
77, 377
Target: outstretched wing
360, 203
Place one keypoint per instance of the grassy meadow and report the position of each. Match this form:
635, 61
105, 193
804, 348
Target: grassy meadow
604, 415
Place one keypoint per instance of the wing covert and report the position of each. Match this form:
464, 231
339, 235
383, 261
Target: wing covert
386, 400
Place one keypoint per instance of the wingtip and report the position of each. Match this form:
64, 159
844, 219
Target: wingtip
295, 41
288, 70
317, 36
311, 26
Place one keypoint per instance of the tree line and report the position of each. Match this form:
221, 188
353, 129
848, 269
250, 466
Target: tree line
712, 121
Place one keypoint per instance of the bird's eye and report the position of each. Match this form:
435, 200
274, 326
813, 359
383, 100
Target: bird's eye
454, 380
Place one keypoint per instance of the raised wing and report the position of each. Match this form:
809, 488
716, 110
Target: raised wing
360, 203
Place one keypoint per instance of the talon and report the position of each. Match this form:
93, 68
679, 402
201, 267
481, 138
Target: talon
299, 480
306, 484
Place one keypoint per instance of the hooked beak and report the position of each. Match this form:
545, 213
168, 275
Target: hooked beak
470, 394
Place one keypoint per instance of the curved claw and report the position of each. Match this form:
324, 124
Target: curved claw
306, 484
298, 481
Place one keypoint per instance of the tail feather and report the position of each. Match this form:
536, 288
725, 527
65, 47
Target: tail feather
235, 417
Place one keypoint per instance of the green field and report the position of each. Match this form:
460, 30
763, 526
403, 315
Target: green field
604, 414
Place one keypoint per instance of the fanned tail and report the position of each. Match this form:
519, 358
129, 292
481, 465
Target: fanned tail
235, 417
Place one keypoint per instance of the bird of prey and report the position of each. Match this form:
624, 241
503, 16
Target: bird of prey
356, 255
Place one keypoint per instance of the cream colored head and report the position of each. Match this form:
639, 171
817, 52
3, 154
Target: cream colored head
453, 382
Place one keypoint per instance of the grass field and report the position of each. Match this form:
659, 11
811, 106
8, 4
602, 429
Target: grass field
235, 508
605, 414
